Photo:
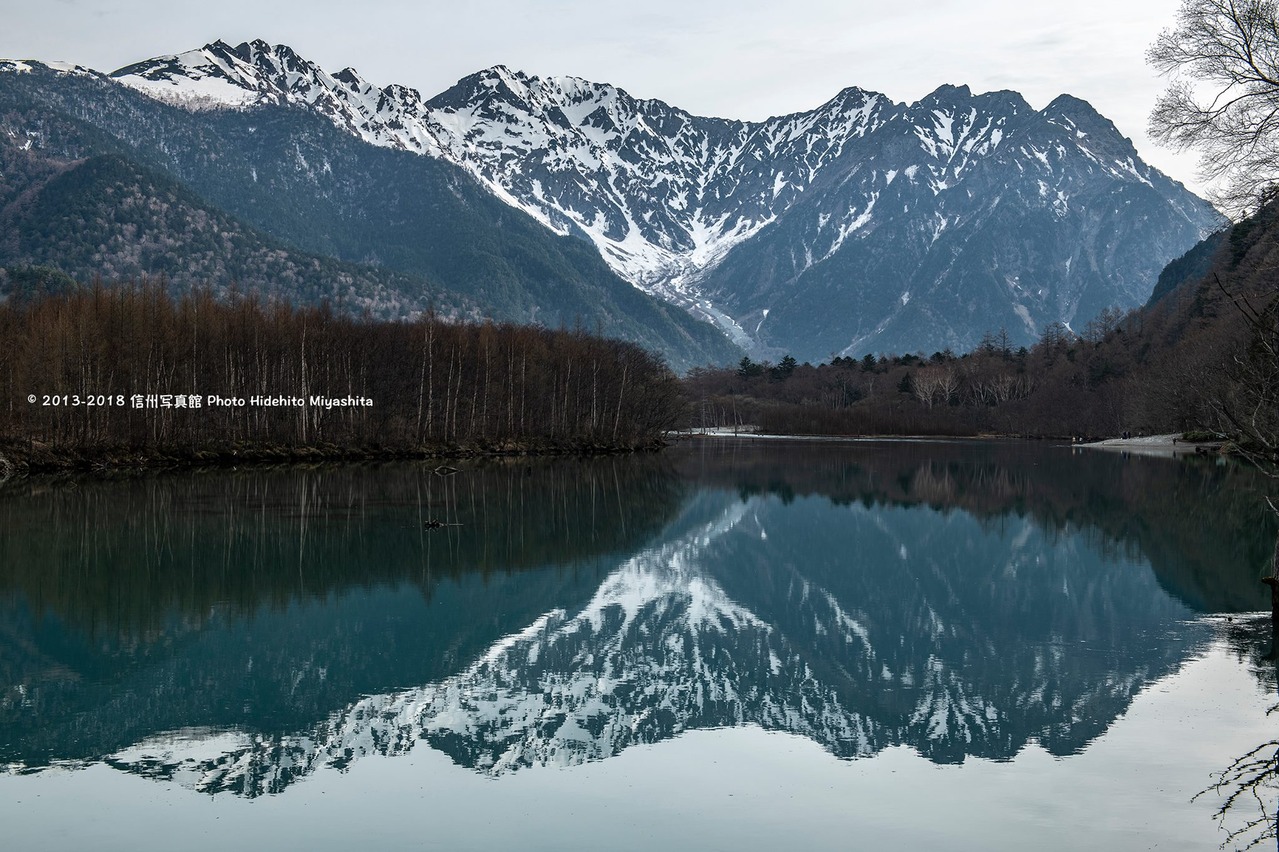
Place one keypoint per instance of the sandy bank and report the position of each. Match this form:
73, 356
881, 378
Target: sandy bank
1152, 445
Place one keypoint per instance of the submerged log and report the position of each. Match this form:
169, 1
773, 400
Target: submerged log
1273, 582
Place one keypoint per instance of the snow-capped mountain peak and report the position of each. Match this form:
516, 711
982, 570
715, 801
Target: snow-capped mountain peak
215, 75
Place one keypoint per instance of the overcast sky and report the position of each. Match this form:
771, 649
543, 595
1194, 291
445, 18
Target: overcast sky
741, 59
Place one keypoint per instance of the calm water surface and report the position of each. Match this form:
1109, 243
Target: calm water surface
730, 645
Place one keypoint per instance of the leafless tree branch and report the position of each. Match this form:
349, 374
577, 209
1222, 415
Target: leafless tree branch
1222, 61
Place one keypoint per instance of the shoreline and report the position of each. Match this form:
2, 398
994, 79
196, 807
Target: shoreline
918, 439
22, 458
1167, 446
1170, 445
19, 458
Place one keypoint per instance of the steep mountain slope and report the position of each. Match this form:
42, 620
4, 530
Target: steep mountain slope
1057, 221
293, 175
861, 225
106, 216
1208, 335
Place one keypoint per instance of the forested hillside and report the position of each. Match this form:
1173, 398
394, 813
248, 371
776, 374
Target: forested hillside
109, 218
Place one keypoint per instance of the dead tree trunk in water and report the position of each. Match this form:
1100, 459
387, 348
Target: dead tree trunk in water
1273, 582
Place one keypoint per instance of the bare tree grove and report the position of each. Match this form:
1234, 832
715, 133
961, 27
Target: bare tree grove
136, 367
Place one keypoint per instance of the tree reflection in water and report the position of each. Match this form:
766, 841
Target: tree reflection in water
1253, 778
237, 631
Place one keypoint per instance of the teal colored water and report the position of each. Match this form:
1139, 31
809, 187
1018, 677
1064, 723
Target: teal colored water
731, 644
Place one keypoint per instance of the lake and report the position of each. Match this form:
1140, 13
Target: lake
732, 644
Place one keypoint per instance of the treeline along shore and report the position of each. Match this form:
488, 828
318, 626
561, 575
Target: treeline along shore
135, 375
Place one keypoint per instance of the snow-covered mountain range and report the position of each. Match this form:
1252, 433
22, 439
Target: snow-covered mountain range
862, 225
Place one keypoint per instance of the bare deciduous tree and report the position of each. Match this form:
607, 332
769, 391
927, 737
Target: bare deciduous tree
1222, 59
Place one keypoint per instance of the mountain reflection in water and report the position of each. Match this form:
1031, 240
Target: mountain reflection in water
236, 631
